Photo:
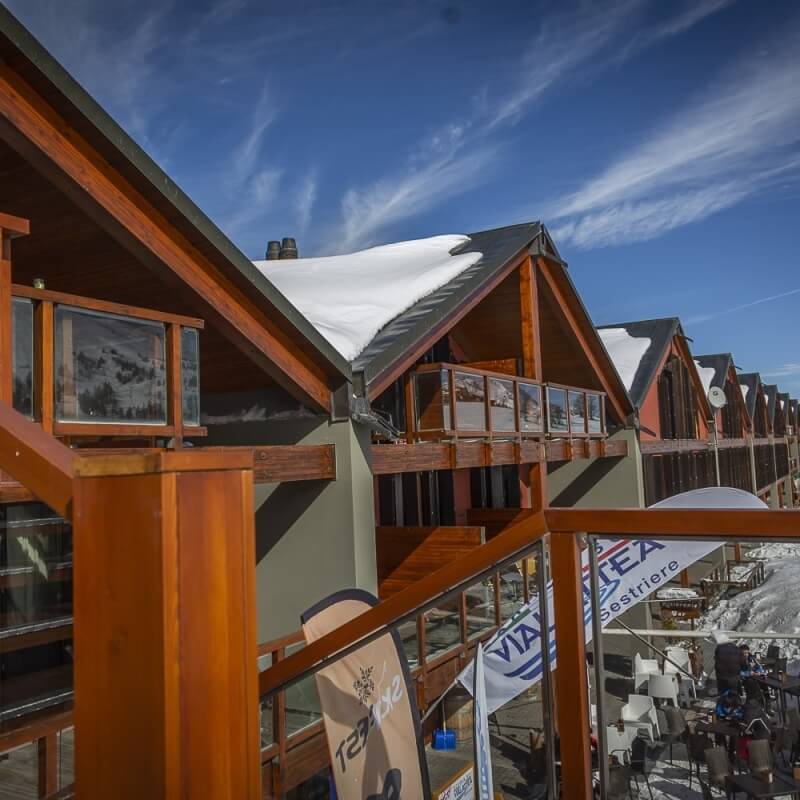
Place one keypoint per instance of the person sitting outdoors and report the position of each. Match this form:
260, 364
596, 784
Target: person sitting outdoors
728, 662
729, 707
750, 664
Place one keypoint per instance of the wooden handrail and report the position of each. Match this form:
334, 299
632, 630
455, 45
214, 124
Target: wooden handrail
38, 461
693, 523
505, 548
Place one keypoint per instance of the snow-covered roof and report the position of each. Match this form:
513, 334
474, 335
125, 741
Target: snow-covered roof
349, 298
706, 375
626, 352
745, 390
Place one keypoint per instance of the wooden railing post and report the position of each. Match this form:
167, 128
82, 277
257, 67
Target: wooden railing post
166, 697
572, 691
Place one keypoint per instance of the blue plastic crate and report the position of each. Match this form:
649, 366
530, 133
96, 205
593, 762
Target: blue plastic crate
444, 740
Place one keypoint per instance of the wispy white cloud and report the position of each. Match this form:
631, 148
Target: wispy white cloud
304, 200
254, 201
699, 318
735, 140
248, 152
458, 155
783, 371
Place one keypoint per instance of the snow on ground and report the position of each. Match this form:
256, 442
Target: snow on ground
706, 375
349, 298
626, 352
774, 606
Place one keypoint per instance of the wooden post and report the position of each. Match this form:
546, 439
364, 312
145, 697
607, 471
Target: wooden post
572, 690
174, 383
44, 368
166, 683
10, 228
47, 757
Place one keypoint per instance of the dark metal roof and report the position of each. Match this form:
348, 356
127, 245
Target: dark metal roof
24, 53
660, 333
720, 363
498, 247
752, 381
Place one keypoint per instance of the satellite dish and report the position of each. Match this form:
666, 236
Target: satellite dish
716, 398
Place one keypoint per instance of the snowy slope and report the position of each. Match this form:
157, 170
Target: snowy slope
349, 298
773, 606
626, 352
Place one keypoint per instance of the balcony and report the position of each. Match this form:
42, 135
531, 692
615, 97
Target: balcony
88, 368
454, 401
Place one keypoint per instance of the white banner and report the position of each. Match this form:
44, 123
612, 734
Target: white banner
483, 748
628, 571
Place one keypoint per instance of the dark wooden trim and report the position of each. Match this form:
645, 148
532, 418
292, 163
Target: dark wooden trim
44, 369
60, 633
280, 463
120, 309
14, 226
104, 429
28, 729
648, 446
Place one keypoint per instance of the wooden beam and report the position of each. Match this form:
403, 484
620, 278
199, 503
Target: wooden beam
14, 226
33, 128
529, 312
166, 699
44, 368
47, 758
572, 690
37, 460
574, 325
297, 462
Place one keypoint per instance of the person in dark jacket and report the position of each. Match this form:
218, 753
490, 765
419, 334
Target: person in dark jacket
728, 663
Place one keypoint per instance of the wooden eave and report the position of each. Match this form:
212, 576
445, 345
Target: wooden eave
686, 355
733, 378
48, 119
555, 276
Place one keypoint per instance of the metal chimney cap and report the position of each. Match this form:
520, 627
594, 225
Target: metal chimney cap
288, 248
273, 250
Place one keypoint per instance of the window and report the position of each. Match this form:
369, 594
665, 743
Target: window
22, 356
190, 372
557, 419
470, 402
109, 368
530, 408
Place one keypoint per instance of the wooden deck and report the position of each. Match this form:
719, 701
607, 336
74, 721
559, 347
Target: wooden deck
18, 772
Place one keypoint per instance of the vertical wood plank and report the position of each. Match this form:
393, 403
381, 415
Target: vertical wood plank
47, 763
174, 382
44, 370
572, 690
529, 311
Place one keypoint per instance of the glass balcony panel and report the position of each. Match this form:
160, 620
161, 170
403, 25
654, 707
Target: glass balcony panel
470, 402
480, 607
109, 368
577, 412
512, 591
530, 408
302, 700
442, 629
557, 420
190, 375
594, 414
22, 355
432, 398
407, 632
266, 707
502, 405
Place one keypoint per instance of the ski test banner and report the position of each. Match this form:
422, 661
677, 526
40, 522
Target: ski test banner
628, 571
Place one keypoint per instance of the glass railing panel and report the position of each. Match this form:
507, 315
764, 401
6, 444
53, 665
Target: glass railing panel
577, 412
557, 418
442, 629
480, 607
470, 402
267, 706
530, 408
22, 355
502, 405
594, 413
190, 375
409, 641
432, 400
302, 700
512, 590
109, 369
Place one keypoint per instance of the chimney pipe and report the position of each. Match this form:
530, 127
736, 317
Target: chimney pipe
273, 251
288, 248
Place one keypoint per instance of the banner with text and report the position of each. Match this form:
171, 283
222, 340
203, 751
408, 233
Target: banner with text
369, 709
628, 571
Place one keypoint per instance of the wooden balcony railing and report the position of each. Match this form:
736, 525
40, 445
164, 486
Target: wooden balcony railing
90, 368
454, 401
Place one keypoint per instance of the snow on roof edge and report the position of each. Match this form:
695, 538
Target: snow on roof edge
626, 352
350, 298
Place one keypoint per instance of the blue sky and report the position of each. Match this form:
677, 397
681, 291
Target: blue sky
660, 142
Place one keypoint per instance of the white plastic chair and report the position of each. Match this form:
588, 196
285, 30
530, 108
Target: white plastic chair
642, 669
616, 741
640, 712
687, 689
680, 656
663, 687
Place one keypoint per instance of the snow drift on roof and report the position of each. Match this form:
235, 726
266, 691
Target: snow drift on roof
626, 352
349, 298
706, 375
745, 389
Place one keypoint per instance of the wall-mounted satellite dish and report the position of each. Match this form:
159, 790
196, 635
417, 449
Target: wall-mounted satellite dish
716, 398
